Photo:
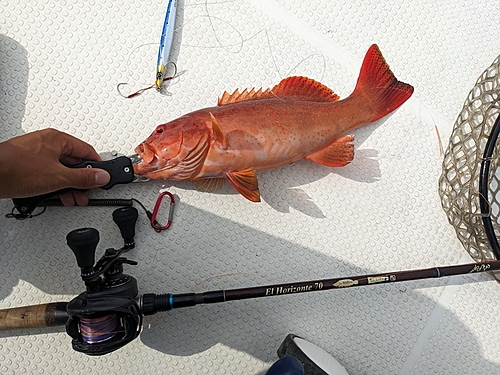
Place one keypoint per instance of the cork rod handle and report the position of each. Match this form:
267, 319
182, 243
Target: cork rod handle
35, 316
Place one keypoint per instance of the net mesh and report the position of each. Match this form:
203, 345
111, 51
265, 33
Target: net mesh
459, 181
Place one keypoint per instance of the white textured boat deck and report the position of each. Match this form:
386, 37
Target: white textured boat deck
60, 63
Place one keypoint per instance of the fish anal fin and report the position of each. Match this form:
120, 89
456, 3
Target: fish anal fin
337, 154
245, 182
209, 185
218, 133
297, 88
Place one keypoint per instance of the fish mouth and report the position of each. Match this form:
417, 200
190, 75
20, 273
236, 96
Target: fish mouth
146, 163
146, 153
146, 159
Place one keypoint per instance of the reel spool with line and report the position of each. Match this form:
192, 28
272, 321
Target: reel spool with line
469, 185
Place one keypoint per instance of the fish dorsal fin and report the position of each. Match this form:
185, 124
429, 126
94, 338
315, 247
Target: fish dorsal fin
298, 88
245, 95
303, 88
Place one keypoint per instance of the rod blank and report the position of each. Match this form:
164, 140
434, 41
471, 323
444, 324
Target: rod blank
174, 301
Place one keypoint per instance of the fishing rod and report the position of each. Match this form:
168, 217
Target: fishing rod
109, 314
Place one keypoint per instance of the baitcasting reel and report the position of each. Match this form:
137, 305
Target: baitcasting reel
109, 314
106, 316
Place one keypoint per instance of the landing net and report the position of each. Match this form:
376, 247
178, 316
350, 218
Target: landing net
459, 181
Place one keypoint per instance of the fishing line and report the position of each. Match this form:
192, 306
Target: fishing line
97, 330
241, 42
221, 45
213, 28
129, 63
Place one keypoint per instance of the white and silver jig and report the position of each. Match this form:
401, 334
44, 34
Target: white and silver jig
166, 40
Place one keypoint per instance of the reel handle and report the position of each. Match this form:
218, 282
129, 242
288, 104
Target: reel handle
125, 218
83, 242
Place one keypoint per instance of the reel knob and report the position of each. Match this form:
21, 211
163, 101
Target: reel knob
83, 242
125, 218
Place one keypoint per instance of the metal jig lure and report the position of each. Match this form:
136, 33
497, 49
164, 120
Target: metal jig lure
166, 40
167, 37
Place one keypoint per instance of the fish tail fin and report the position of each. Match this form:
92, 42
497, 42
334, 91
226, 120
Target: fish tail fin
377, 88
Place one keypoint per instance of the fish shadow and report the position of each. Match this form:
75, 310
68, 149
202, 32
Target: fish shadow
283, 188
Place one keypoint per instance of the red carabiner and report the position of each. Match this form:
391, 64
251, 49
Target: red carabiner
156, 226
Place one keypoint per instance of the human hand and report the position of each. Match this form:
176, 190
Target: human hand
33, 164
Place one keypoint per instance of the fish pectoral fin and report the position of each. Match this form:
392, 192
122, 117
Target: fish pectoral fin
338, 154
218, 133
209, 185
245, 182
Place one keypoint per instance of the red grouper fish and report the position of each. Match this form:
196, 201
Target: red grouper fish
254, 130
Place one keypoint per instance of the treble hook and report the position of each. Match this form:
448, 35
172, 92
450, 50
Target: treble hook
118, 87
156, 226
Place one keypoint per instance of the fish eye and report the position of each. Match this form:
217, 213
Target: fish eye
159, 131
159, 75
